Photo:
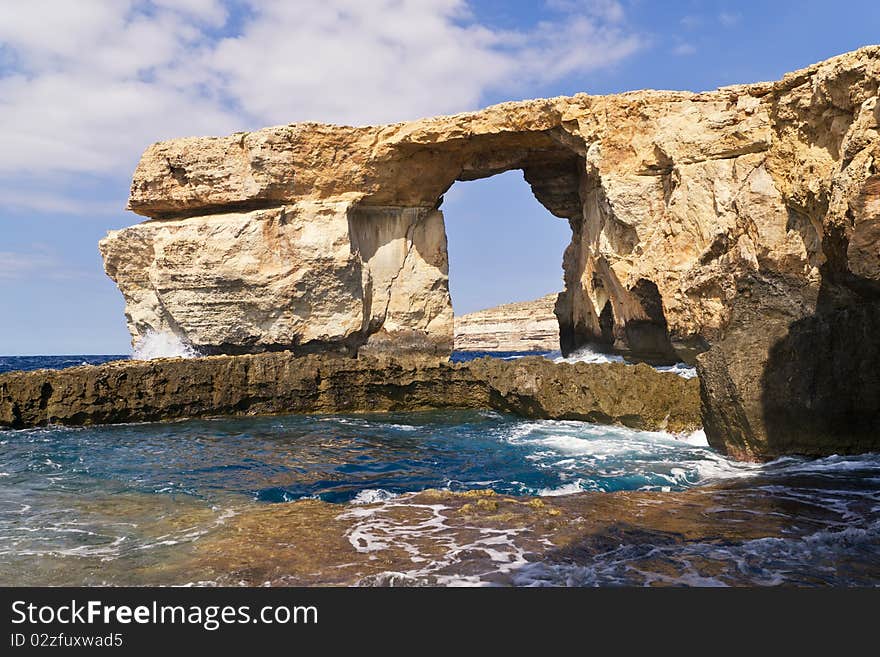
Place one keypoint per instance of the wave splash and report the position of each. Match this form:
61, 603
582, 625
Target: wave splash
162, 344
586, 354
589, 354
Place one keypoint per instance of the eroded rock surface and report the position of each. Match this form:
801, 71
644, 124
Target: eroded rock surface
269, 383
700, 221
521, 326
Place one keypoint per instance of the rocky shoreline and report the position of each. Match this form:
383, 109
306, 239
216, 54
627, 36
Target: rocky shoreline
737, 229
271, 383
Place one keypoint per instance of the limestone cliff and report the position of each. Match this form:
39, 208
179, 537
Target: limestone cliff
522, 326
700, 221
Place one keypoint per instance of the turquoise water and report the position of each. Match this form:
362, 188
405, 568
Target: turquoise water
131, 504
170, 503
337, 458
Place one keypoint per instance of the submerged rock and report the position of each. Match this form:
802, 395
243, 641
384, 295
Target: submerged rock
729, 534
279, 382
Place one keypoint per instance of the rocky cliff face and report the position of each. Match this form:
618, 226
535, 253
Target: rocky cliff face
741, 221
522, 326
315, 276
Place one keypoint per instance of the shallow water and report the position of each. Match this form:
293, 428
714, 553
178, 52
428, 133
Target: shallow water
334, 499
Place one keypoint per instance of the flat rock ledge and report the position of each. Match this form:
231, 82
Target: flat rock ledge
279, 382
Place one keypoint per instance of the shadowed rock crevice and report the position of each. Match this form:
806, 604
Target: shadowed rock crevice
649, 337
821, 385
606, 325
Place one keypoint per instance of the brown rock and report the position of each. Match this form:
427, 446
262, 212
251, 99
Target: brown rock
279, 382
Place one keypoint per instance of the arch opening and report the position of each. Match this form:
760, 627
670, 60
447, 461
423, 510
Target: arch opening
464, 257
505, 249
399, 234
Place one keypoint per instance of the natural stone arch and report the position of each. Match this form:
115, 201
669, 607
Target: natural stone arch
328, 237
741, 206
400, 287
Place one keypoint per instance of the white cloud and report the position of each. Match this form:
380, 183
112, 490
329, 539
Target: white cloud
86, 85
729, 19
212, 12
691, 22
354, 62
82, 96
684, 49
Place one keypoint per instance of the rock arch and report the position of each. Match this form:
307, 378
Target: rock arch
302, 237
708, 221
406, 286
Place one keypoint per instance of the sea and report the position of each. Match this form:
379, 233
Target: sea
434, 498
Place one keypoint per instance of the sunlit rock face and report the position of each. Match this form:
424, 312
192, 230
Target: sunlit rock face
312, 275
700, 221
524, 326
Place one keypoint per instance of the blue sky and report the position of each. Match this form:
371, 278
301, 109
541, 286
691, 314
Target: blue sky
86, 85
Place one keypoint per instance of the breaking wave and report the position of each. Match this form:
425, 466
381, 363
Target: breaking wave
586, 355
162, 344
590, 355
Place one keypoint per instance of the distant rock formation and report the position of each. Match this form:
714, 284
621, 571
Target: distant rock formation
534, 387
522, 326
737, 222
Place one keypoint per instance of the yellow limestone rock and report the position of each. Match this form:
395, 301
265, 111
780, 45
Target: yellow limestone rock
521, 326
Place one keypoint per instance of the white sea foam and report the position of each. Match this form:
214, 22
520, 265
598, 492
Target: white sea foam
683, 370
715, 467
608, 452
162, 344
586, 355
373, 496
590, 355
565, 489
583, 438
436, 547
696, 438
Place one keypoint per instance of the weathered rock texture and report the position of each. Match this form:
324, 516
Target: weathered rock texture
522, 326
135, 391
715, 220
315, 276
